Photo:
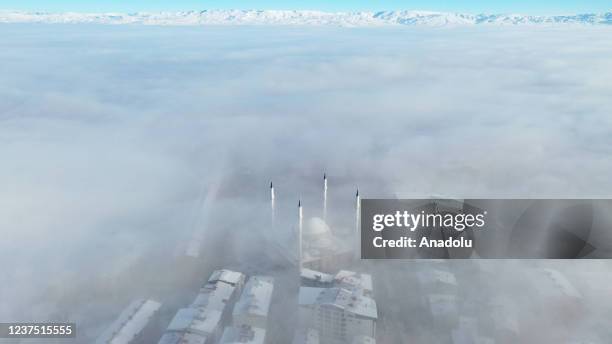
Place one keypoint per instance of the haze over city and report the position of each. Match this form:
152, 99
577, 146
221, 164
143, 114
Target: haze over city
123, 143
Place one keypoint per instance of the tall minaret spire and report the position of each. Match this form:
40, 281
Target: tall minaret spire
324, 197
300, 228
272, 196
357, 219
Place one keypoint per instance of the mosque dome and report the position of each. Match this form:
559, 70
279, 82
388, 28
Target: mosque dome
317, 227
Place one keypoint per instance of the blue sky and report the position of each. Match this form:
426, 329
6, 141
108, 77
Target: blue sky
518, 6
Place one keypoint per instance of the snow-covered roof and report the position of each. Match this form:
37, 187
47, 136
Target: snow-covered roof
349, 301
183, 338
130, 322
227, 276
256, 297
214, 296
351, 279
196, 320
243, 334
316, 276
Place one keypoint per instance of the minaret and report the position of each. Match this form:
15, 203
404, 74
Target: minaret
325, 197
272, 204
357, 218
300, 224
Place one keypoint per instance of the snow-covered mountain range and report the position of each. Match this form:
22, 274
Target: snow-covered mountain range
274, 17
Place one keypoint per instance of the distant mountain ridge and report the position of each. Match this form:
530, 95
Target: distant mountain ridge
277, 17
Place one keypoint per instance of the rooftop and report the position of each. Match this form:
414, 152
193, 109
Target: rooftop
316, 276
353, 279
214, 296
256, 297
227, 276
195, 320
130, 322
345, 299
243, 334
182, 338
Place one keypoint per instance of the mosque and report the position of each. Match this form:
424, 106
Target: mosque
318, 247
322, 250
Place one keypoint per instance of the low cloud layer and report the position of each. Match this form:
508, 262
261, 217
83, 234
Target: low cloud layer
110, 135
